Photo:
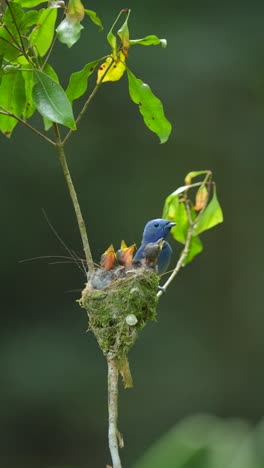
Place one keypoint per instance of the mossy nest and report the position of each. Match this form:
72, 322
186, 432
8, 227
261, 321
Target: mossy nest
117, 312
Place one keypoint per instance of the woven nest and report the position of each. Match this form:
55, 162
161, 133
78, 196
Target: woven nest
117, 312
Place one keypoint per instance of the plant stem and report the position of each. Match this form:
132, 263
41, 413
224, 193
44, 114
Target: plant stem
88, 101
82, 112
73, 195
113, 411
207, 181
183, 255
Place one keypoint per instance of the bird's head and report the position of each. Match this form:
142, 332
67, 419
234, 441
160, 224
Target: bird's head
157, 229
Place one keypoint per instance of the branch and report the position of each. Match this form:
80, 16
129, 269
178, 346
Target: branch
113, 434
183, 254
4, 111
73, 195
208, 182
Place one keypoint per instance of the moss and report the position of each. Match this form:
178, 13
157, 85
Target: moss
117, 312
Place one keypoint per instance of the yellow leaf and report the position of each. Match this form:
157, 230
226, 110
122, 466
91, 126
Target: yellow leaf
115, 71
201, 198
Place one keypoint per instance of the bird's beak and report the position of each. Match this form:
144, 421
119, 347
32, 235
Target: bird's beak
170, 225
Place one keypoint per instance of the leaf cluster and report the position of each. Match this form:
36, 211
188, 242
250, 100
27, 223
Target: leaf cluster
195, 212
28, 33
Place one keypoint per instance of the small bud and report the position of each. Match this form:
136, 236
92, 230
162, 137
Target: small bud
131, 319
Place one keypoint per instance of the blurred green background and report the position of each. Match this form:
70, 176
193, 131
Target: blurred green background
205, 354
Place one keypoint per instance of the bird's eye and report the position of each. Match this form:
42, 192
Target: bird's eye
156, 225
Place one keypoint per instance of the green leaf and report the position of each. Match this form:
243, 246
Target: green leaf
181, 219
13, 16
94, 18
50, 72
212, 216
29, 19
29, 83
1, 67
111, 37
112, 41
29, 3
195, 248
204, 442
69, 31
79, 81
10, 41
12, 98
5, 40
149, 106
42, 35
8, 47
51, 101
174, 210
123, 33
149, 40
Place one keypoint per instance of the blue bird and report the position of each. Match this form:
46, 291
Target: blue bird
155, 230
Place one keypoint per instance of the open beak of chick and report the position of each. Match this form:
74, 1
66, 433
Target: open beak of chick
108, 259
125, 254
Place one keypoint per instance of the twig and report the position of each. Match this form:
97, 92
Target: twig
73, 195
82, 112
22, 48
183, 254
4, 111
87, 103
113, 434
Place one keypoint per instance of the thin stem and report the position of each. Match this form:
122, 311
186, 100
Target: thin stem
183, 254
208, 183
73, 195
87, 103
113, 434
82, 112
49, 52
4, 111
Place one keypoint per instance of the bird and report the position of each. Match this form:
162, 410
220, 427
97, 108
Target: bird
124, 255
151, 254
155, 230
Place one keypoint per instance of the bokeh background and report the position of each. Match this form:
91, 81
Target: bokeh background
205, 354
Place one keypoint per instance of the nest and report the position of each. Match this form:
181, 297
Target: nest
117, 312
